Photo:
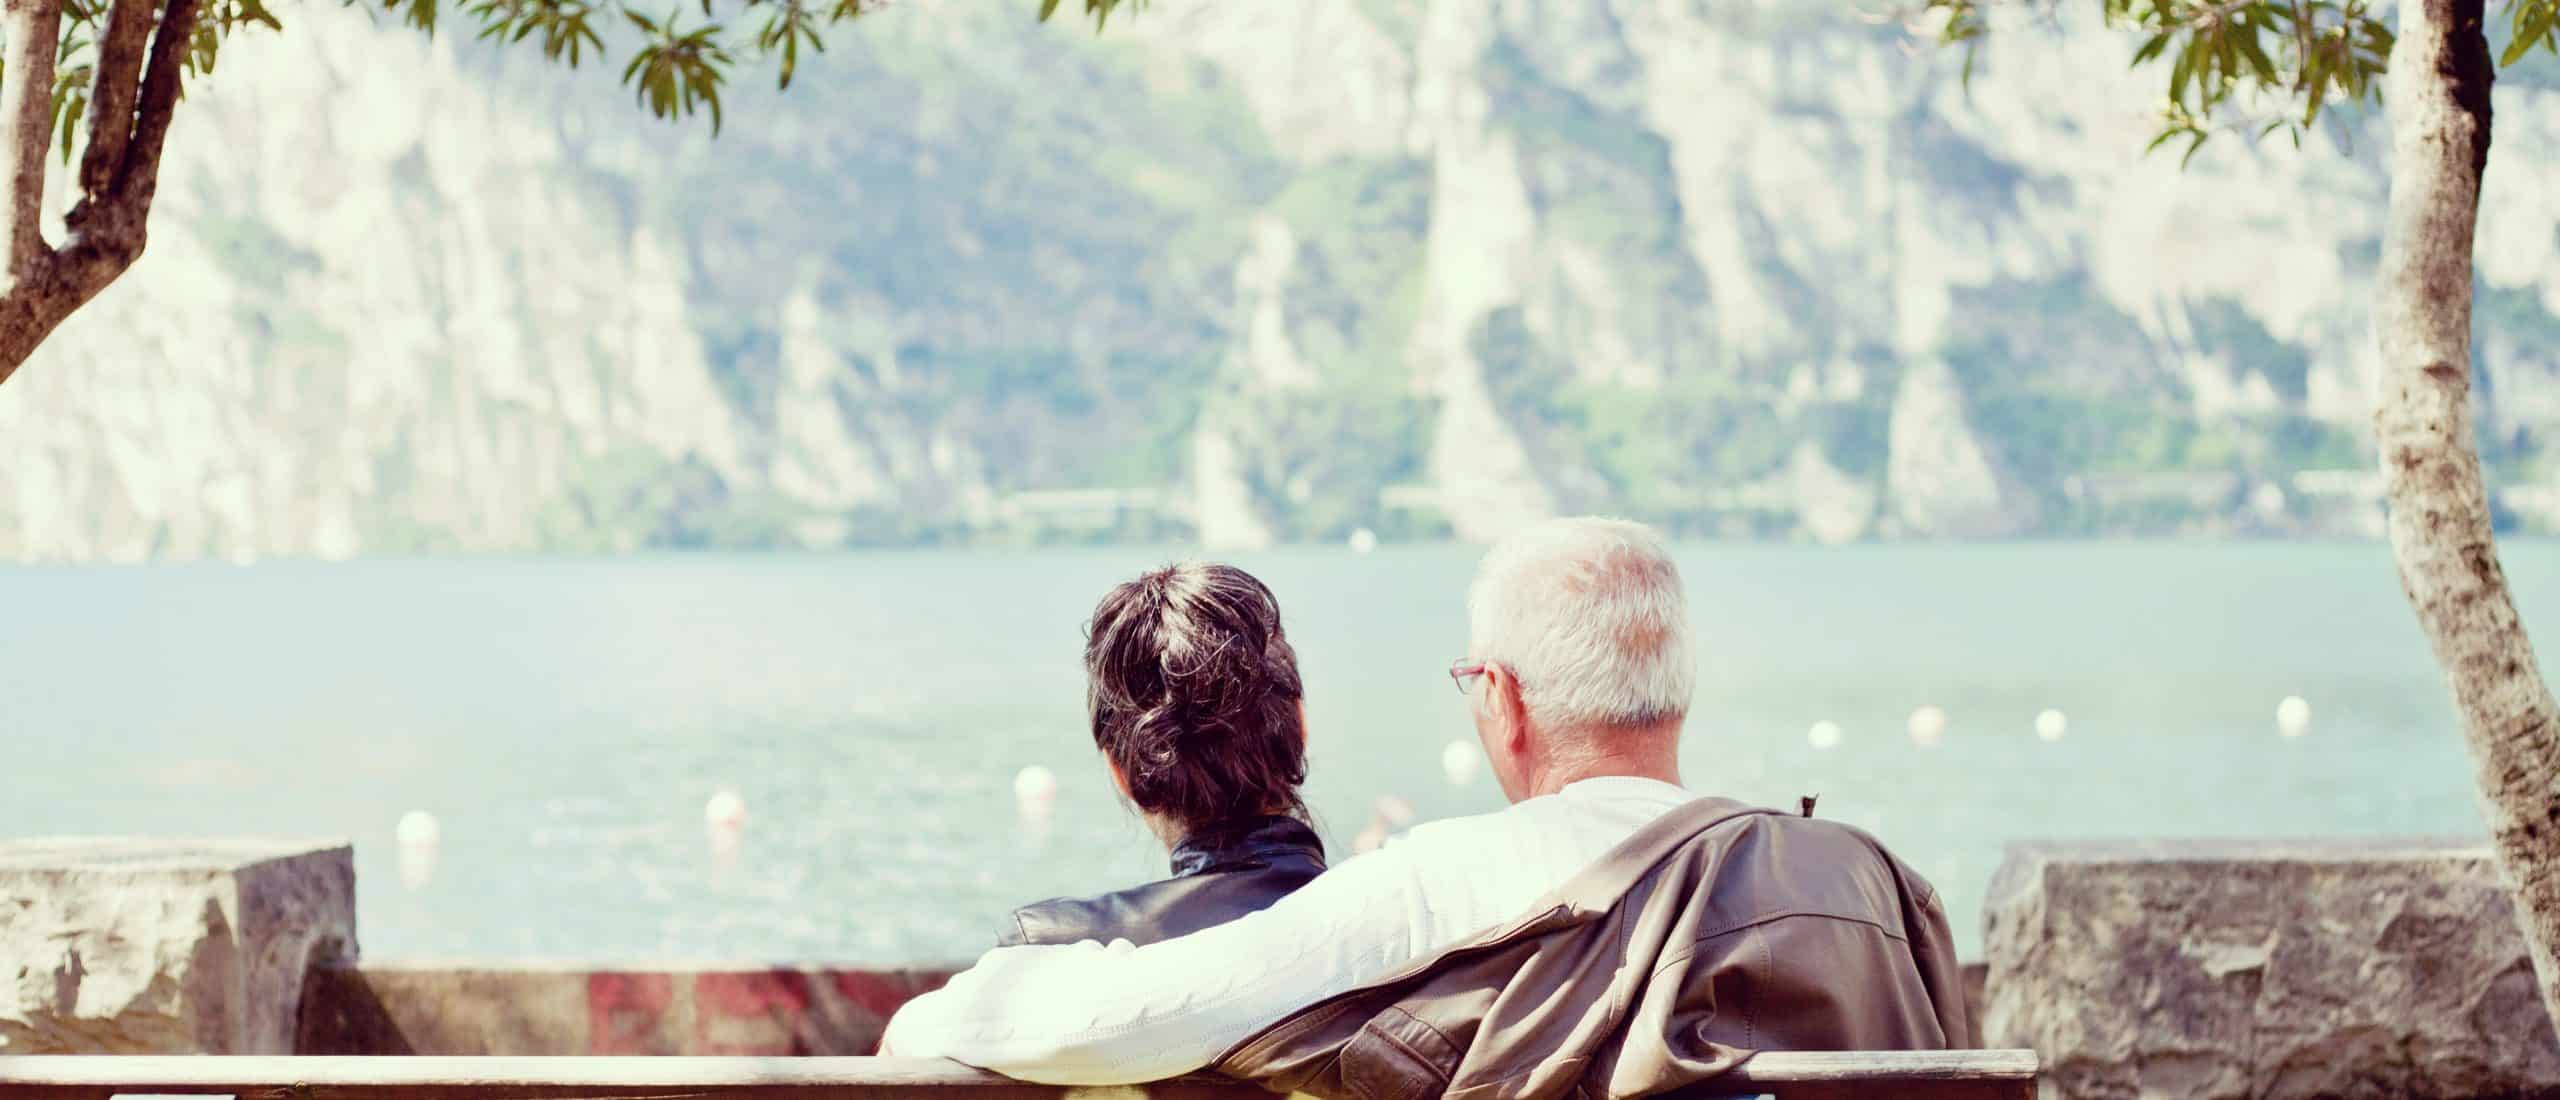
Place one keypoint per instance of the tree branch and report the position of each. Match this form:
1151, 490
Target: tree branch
109, 224
105, 240
122, 46
34, 28
139, 175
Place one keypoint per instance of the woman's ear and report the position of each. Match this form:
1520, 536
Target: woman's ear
1117, 779
1303, 737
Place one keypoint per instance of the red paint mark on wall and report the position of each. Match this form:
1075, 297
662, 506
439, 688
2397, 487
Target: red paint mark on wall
876, 993
627, 1013
754, 1012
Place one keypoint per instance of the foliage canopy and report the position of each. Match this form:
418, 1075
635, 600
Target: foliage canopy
2259, 66
679, 59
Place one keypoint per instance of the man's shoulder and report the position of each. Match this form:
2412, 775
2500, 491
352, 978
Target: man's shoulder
1810, 865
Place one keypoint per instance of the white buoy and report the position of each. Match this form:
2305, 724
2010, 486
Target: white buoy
1035, 783
1363, 540
418, 829
724, 824
1927, 725
1035, 787
420, 837
1460, 761
2051, 725
2293, 716
1825, 734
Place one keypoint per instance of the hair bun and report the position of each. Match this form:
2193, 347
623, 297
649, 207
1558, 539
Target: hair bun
1193, 690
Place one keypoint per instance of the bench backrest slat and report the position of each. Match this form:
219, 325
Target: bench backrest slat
1928, 1075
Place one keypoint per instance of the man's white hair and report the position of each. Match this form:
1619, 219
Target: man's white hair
1588, 613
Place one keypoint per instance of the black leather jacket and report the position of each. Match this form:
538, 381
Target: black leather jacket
1219, 873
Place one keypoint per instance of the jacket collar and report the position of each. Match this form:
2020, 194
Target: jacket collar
1247, 841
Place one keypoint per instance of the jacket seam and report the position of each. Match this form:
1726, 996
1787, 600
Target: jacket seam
1685, 954
1426, 1061
1786, 914
1021, 929
1750, 1019
1622, 993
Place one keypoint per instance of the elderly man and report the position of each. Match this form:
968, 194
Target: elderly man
1609, 930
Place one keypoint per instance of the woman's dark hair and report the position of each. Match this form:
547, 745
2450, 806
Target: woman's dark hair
1193, 691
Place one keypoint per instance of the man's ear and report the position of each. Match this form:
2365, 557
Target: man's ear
1515, 712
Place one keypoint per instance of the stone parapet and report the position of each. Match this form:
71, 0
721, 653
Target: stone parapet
535, 1009
140, 946
2265, 968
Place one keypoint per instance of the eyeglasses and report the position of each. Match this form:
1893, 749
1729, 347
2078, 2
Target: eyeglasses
1463, 670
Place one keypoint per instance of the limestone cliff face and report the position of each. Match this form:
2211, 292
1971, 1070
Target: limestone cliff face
1415, 265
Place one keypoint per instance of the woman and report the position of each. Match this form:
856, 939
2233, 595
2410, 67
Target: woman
1195, 702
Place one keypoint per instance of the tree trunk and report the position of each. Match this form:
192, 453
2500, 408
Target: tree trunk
2439, 102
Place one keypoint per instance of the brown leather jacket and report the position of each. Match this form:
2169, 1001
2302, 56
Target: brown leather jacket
1715, 932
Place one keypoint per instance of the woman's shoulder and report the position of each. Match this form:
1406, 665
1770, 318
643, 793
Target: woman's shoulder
1221, 890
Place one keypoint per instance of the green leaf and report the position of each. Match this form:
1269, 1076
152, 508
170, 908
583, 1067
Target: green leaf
2150, 49
70, 104
2264, 66
1047, 9
2532, 26
2192, 146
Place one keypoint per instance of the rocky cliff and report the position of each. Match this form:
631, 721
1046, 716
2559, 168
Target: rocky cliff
1249, 271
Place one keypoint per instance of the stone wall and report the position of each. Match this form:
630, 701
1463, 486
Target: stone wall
2265, 968
521, 1009
129, 946
2136, 969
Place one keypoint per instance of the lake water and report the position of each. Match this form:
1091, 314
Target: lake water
566, 720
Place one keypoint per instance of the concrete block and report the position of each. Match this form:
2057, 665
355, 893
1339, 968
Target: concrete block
2264, 968
137, 946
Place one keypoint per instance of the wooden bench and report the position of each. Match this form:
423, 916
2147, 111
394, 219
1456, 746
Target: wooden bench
1924, 1075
